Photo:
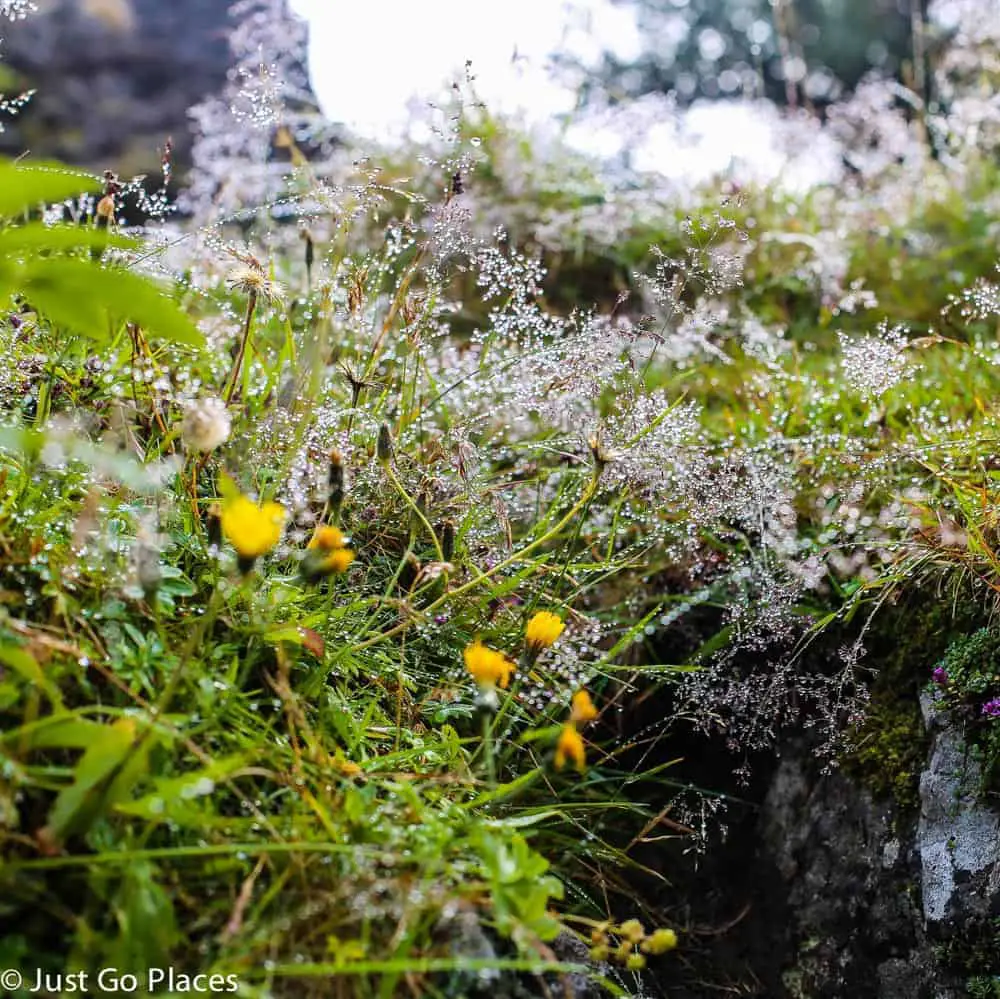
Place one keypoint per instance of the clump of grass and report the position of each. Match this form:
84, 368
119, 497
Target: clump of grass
325, 581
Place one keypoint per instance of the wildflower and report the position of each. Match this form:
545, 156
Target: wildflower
660, 941
542, 630
940, 675
252, 529
992, 708
635, 962
250, 279
339, 560
327, 554
570, 748
631, 930
206, 424
582, 710
327, 538
488, 667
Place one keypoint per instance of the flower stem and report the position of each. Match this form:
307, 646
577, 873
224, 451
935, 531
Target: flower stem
491, 770
234, 376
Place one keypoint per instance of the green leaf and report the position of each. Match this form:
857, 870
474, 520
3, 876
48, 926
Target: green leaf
108, 770
37, 237
175, 798
87, 298
144, 912
24, 664
56, 732
24, 187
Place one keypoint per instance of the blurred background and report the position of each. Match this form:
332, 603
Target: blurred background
114, 78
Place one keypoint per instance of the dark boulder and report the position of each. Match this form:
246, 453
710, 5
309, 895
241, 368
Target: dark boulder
114, 78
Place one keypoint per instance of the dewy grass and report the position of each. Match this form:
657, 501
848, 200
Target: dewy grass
358, 602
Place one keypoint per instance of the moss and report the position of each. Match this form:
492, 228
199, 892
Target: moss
890, 747
984, 987
972, 667
976, 952
890, 751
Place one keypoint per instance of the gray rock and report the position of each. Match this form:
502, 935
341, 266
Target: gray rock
875, 897
958, 835
114, 78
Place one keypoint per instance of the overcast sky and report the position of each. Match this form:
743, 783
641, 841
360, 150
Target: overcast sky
369, 59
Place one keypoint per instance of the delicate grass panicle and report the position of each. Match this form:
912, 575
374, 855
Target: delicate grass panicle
517, 506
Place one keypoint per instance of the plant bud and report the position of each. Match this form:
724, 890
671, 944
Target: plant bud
448, 540
384, 449
410, 571
105, 208
336, 481
213, 526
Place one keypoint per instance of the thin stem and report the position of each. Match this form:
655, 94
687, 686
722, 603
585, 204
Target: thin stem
483, 577
491, 768
234, 376
401, 489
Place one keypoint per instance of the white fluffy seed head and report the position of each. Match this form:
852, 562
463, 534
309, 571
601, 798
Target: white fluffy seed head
206, 424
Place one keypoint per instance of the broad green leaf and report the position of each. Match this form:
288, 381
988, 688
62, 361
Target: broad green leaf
56, 732
144, 912
23, 187
108, 770
87, 298
36, 237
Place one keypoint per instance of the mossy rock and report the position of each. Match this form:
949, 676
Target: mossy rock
906, 641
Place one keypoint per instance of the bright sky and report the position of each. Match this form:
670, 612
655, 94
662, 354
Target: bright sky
370, 61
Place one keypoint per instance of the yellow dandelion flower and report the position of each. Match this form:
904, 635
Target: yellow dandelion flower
542, 630
488, 667
252, 529
570, 748
338, 560
582, 710
328, 538
326, 555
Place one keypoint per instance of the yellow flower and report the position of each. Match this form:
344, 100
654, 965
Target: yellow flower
338, 560
253, 530
570, 748
326, 554
542, 630
583, 709
328, 538
660, 941
631, 930
487, 666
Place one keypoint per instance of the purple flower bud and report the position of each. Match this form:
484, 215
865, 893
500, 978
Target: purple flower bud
940, 675
992, 708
